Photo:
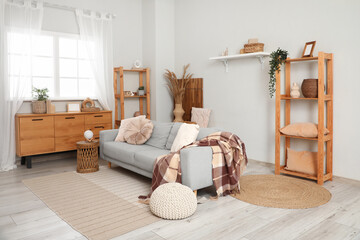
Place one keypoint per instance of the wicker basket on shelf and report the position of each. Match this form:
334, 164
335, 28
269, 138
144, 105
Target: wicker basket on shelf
253, 47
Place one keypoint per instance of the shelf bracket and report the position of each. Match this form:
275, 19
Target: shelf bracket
261, 59
226, 64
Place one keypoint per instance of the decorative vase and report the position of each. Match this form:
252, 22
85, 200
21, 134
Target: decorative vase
295, 91
178, 113
38, 107
88, 134
309, 88
141, 92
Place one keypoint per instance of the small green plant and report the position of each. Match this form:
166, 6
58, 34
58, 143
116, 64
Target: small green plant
278, 57
40, 94
141, 88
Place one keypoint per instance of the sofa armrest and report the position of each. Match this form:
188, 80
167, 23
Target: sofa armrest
196, 167
107, 136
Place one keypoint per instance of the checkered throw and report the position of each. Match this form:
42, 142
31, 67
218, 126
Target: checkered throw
229, 161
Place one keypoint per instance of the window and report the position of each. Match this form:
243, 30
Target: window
55, 61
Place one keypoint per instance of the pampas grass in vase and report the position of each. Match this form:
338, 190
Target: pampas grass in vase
177, 89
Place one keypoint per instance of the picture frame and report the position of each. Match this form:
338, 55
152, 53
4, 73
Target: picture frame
73, 107
309, 49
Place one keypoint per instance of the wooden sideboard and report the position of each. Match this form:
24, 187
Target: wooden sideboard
57, 132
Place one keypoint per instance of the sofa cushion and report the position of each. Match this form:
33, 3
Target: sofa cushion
123, 125
186, 135
200, 116
138, 131
145, 159
160, 134
204, 132
172, 135
123, 151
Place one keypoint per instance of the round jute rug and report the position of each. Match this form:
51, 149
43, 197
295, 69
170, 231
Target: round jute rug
281, 192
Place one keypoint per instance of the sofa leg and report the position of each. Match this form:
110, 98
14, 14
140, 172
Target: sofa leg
109, 164
195, 192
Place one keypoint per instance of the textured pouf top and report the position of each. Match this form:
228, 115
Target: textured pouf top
173, 201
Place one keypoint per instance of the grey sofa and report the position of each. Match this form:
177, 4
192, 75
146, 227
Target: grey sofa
196, 165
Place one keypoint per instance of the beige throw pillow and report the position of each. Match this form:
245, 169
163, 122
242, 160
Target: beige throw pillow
304, 161
123, 125
187, 134
302, 130
138, 131
200, 116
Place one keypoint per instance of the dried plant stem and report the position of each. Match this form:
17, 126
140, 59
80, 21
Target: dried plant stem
177, 86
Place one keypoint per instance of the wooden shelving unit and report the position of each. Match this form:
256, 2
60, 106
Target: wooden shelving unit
119, 96
324, 100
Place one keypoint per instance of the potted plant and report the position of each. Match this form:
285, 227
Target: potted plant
177, 89
141, 91
40, 96
278, 57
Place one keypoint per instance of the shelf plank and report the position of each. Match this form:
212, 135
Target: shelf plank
301, 59
285, 97
245, 55
326, 137
135, 70
118, 96
143, 96
298, 174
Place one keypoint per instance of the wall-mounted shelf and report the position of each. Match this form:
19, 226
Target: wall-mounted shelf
225, 59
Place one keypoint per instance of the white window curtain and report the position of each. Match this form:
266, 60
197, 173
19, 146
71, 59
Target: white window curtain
16, 18
96, 34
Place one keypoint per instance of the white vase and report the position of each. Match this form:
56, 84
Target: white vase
295, 91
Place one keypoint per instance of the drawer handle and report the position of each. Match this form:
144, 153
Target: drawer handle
99, 127
98, 116
97, 138
70, 118
37, 119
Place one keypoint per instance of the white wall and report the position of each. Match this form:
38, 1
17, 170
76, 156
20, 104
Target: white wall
159, 53
239, 99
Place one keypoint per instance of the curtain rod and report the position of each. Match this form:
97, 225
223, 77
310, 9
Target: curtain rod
53, 5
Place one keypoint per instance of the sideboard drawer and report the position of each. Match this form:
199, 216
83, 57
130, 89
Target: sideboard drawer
69, 125
37, 146
97, 118
96, 128
67, 143
36, 127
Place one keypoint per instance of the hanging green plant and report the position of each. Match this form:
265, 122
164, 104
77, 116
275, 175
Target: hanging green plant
278, 57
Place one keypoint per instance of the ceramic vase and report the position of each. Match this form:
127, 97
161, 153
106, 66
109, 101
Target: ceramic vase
38, 107
309, 88
295, 91
141, 92
178, 113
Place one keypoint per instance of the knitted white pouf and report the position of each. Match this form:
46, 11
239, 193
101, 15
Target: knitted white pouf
173, 201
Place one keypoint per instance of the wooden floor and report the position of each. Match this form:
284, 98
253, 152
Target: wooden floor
24, 216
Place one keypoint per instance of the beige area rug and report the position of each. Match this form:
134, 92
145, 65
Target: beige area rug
94, 203
281, 192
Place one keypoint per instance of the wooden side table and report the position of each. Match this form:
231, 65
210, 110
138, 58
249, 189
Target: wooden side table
87, 157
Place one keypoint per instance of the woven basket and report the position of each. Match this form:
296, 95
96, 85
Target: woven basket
309, 88
253, 47
38, 107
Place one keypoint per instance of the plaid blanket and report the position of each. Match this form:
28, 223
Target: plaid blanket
229, 161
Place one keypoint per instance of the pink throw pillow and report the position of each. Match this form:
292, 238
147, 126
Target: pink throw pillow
123, 126
304, 161
302, 130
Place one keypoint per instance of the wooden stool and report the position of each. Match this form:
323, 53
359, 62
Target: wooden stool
87, 157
